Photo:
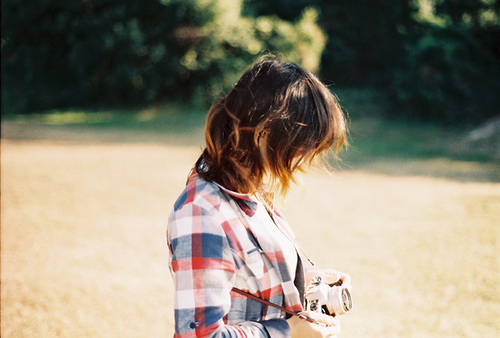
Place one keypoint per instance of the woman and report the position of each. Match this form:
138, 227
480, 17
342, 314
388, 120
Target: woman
225, 235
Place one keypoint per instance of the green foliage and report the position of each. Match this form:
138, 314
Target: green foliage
436, 60
449, 77
66, 53
232, 42
287, 10
366, 40
365, 37
451, 71
74, 53
469, 13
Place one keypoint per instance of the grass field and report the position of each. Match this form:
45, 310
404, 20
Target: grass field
85, 200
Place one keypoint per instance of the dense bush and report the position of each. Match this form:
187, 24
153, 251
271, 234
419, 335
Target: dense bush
63, 53
451, 69
437, 63
449, 76
365, 37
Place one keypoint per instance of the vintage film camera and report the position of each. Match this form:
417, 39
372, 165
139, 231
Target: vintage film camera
333, 300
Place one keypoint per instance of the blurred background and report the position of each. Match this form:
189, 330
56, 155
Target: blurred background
103, 108
431, 60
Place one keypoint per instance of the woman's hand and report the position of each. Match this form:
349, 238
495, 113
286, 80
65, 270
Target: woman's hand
329, 276
301, 328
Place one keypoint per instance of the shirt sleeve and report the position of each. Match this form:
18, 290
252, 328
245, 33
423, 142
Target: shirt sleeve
204, 272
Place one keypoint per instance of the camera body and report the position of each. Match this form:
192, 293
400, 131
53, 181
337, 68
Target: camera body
333, 300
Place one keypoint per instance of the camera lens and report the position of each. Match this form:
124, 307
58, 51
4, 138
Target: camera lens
346, 300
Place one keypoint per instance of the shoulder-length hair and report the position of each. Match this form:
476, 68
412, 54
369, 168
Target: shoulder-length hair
276, 119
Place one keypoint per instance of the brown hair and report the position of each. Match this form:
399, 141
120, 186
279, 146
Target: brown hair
277, 118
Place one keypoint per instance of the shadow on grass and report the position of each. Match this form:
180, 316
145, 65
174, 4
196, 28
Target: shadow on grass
376, 145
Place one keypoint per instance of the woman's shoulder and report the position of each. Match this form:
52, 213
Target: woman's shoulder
198, 209
201, 193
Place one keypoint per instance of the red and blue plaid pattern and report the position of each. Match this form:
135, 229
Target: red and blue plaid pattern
213, 248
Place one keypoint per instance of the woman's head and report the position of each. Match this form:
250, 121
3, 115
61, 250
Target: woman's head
275, 120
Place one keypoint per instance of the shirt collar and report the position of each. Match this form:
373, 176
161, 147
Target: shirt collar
248, 203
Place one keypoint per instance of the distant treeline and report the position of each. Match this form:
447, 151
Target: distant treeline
433, 60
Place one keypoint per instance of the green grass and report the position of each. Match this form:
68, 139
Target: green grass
163, 123
384, 138
165, 118
372, 135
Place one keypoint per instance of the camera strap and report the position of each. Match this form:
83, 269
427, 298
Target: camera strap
301, 316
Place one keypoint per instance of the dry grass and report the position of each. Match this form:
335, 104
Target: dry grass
84, 255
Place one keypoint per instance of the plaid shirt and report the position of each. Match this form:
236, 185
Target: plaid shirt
215, 246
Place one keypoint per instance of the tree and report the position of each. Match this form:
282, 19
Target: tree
451, 69
59, 53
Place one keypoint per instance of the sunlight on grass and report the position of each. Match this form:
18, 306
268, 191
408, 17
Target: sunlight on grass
157, 124
67, 117
422, 252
